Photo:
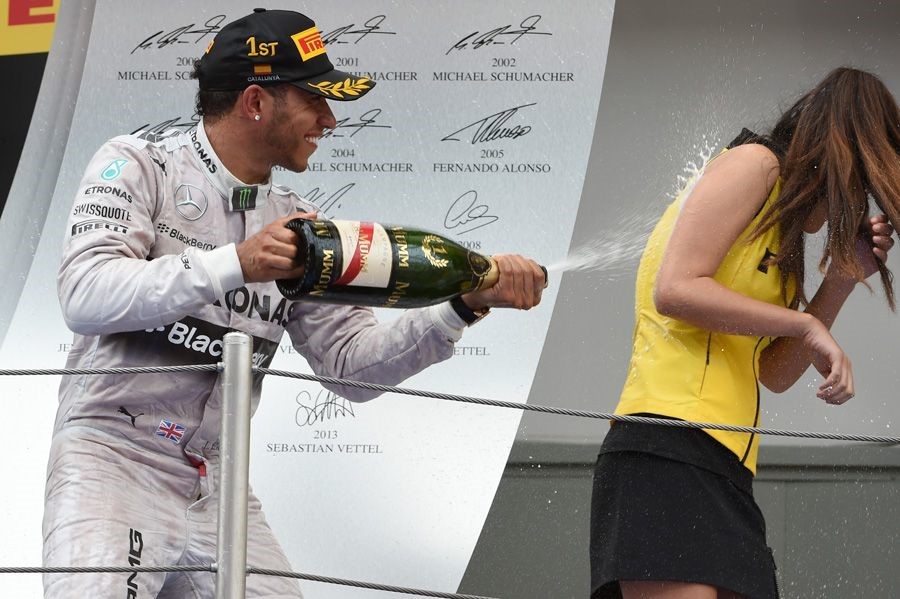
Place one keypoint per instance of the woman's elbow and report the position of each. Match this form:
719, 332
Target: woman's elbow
666, 299
775, 386
774, 381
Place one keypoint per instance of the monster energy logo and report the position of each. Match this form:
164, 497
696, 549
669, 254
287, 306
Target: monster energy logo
243, 198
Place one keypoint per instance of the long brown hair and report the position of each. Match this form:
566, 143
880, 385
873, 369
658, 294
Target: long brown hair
838, 144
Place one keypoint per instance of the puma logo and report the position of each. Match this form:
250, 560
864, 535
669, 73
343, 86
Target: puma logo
162, 165
133, 417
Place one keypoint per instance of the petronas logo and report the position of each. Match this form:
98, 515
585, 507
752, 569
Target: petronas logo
113, 170
243, 198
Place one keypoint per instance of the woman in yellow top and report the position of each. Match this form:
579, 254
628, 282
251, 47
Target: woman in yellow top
720, 306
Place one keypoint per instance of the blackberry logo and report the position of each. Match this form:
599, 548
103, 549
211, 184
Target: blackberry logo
167, 231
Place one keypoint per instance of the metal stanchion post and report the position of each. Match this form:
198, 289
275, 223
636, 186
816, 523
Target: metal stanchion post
234, 444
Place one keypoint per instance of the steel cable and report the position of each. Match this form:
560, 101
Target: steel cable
119, 370
578, 413
464, 399
102, 569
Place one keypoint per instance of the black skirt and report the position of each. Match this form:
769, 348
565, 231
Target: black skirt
661, 518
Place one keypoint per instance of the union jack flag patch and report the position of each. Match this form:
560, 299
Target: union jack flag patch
171, 431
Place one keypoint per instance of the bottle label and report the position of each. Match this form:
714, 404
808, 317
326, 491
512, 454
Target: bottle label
368, 256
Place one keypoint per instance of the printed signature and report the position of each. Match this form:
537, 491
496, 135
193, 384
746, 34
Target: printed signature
366, 120
491, 127
325, 405
466, 213
370, 27
166, 128
500, 36
187, 34
327, 202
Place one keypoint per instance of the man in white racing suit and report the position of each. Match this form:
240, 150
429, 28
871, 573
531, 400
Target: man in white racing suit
171, 243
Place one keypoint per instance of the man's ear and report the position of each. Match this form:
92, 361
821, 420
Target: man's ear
251, 102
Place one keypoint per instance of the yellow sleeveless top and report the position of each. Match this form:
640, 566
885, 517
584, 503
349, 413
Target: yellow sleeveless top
682, 371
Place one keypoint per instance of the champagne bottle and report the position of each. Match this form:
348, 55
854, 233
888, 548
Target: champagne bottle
385, 266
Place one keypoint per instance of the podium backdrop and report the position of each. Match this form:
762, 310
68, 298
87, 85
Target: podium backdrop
479, 129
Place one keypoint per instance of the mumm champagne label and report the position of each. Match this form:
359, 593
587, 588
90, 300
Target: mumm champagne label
402, 247
367, 252
325, 272
397, 294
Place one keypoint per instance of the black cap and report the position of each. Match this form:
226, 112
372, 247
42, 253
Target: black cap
271, 47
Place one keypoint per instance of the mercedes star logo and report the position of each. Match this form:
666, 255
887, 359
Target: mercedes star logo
190, 201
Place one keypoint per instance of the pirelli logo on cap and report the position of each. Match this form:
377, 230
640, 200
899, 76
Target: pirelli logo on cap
309, 43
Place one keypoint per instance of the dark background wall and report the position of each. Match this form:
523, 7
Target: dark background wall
25, 70
26, 30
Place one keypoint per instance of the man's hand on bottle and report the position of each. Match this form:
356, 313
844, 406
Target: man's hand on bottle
520, 285
270, 254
